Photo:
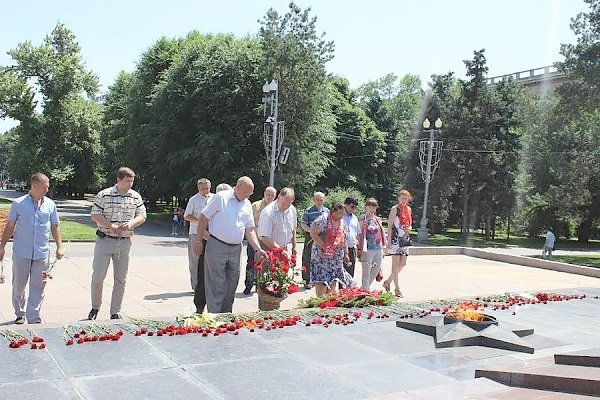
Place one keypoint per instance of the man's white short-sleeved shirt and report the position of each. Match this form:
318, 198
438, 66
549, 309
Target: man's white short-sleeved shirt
228, 217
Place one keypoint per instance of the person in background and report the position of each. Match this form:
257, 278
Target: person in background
310, 215
222, 186
352, 232
31, 219
200, 291
257, 207
175, 222
195, 204
371, 244
399, 226
548, 245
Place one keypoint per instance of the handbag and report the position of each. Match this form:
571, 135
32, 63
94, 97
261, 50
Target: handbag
404, 241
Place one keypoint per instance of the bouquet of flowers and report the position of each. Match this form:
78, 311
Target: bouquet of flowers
275, 274
349, 298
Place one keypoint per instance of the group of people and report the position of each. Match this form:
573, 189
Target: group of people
337, 238
218, 223
116, 211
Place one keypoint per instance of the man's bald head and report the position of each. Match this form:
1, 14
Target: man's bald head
243, 188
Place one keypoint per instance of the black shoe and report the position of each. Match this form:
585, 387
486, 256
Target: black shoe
93, 314
20, 320
115, 316
247, 290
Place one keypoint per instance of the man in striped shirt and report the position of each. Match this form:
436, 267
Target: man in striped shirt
116, 211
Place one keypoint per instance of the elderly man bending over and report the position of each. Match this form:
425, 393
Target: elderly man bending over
230, 216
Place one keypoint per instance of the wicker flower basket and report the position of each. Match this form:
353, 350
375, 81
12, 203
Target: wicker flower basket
266, 302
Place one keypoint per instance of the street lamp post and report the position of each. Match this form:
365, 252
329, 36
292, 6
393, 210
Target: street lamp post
272, 89
422, 231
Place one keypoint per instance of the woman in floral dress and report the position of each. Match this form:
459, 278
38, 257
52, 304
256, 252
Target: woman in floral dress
399, 226
329, 252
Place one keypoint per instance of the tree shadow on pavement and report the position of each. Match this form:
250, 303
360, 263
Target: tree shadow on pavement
166, 296
180, 243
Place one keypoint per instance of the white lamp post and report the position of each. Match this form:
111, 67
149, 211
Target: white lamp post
272, 89
422, 231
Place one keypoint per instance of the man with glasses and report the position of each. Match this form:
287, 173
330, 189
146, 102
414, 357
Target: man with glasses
230, 216
352, 232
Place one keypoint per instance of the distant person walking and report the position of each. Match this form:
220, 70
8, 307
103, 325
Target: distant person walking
399, 226
116, 211
548, 245
31, 219
230, 216
192, 212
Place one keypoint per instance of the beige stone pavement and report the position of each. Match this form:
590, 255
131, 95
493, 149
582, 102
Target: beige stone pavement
158, 281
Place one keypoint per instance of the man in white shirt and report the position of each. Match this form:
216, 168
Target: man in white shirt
230, 216
352, 232
278, 222
548, 245
196, 203
268, 196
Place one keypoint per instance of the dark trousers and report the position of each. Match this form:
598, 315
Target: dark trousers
199, 290
352, 256
306, 261
249, 281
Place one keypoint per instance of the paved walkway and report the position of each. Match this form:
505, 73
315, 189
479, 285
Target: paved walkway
158, 281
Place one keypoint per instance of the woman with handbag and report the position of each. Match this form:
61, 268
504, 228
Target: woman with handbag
371, 244
399, 226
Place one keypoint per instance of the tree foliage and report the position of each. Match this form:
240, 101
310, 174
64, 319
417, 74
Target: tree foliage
295, 54
63, 138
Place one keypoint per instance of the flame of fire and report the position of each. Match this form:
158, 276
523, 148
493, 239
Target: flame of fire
467, 312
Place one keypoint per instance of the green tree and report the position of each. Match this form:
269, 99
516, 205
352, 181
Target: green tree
295, 54
63, 139
394, 105
360, 146
561, 170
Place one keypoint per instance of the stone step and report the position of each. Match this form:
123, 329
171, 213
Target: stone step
583, 358
554, 377
477, 389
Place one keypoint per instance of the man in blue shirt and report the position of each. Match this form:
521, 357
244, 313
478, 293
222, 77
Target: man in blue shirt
31, 219
352, 232
310, 214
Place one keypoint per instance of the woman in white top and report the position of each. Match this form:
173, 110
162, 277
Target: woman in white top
399, 226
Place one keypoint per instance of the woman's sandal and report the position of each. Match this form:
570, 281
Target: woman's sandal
398, 293
386, 286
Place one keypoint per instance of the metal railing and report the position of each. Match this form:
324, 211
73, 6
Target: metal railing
535, 74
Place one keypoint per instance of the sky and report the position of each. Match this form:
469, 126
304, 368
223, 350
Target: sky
372, 38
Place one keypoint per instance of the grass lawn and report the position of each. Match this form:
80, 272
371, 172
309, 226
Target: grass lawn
71, 230
452, 237
5, 202
586, 261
